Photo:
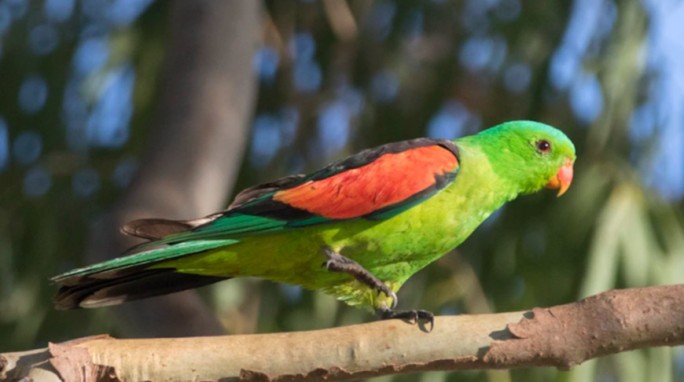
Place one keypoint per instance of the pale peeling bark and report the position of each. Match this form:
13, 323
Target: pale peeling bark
560, 336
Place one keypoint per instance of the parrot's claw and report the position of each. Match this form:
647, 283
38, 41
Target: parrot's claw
339, 263
395, 300
415, 316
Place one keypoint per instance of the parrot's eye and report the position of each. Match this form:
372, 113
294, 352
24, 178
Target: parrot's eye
543, 146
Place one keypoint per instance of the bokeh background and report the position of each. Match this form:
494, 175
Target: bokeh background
80, 80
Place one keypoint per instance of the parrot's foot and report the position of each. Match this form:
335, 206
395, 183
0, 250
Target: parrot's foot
415, 316
338, 263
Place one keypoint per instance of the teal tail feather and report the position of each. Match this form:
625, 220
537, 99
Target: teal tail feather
130, 277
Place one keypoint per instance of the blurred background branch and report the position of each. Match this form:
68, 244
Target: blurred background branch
194, 147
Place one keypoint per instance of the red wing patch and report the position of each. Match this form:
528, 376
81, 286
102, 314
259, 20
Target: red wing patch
390, 179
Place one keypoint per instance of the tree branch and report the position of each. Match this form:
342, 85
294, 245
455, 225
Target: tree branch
560, 336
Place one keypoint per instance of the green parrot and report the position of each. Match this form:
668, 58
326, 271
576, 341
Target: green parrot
356, 229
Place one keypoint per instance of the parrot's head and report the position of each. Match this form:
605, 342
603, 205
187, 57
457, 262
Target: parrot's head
532, 155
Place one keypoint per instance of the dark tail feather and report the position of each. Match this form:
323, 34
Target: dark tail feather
91, 292
133, 277
156, 229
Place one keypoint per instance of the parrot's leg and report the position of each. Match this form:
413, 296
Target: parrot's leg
339, 263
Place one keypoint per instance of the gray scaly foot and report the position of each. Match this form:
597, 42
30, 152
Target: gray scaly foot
338, 263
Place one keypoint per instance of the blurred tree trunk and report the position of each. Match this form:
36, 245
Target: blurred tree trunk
194, 147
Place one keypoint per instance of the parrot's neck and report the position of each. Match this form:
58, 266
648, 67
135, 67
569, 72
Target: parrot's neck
455, 212
498, 165
493, 167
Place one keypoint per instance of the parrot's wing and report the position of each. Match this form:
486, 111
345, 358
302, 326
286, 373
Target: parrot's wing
374, 184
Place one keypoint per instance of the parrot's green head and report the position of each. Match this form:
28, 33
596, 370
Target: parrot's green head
530, 155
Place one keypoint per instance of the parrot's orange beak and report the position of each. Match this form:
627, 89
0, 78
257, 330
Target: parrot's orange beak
562, 179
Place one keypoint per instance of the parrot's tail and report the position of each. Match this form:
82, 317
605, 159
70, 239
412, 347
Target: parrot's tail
132, 277
95, 293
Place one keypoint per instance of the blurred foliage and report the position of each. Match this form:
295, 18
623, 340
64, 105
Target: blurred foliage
79, 81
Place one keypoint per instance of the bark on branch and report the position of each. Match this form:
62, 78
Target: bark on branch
560, 336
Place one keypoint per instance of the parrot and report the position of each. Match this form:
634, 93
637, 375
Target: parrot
356, 229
